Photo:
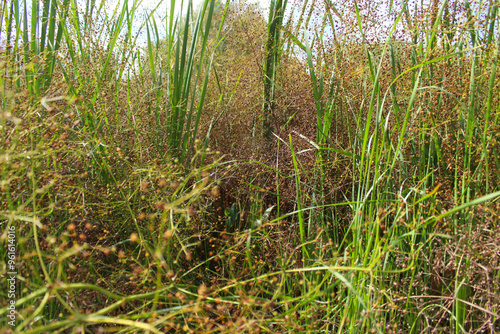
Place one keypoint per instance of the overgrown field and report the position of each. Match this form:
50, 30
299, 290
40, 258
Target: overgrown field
318, 167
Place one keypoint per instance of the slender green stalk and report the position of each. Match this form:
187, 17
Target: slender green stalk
272, 54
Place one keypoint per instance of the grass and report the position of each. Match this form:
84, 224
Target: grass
140, 196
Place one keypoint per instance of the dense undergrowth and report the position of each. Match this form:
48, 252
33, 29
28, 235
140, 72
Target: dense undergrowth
335, 170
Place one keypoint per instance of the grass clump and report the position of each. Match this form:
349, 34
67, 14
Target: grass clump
333, 169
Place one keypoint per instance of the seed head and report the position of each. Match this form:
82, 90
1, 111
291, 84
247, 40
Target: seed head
168, 234
134, 237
